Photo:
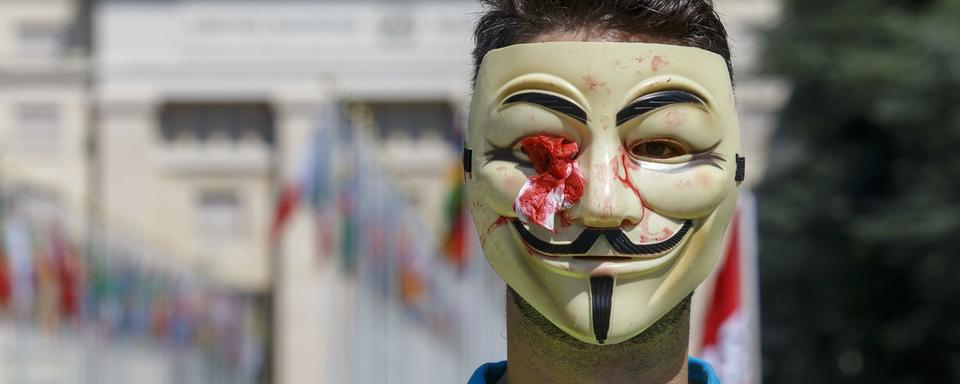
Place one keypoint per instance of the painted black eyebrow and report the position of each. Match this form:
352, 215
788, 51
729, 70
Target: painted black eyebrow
552, 102
647, 103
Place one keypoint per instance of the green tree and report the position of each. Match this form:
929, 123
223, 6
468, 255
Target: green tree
860, 209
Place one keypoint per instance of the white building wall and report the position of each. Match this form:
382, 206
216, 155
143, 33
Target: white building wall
41, 77
143, 189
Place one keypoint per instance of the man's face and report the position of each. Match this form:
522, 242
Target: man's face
603, 177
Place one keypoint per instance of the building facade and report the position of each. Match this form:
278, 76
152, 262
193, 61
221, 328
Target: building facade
188, 117
204, 109
44, 110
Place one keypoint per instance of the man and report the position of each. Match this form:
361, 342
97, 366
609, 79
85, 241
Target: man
602, 167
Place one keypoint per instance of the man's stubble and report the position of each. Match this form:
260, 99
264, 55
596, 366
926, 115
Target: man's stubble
663, 345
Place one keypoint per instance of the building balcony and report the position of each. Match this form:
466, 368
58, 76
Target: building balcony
195, 158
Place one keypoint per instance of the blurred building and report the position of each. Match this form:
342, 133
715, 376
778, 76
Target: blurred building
203, 107
188, 117
204, 110
759, 96
44, 106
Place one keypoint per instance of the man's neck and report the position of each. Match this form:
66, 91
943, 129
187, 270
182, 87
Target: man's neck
539, 352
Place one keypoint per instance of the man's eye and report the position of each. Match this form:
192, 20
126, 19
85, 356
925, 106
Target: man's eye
658, 149
519, 153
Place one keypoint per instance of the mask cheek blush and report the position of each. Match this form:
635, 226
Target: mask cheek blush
691, 194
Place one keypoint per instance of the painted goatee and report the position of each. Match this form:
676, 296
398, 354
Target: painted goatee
601, 295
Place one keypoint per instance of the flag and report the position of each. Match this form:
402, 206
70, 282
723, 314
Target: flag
320, 189
351, 199
313, 180
349, 228
286, 205
160, 308
67, 271
730, 330
317, 176
47, 281
19, 248
455, 241
5, 289
5, 284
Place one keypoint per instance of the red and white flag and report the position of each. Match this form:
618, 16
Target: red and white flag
731, 332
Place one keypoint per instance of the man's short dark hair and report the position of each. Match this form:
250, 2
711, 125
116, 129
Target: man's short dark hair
692, 23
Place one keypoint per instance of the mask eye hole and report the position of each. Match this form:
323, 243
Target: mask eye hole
658, 149
520, 155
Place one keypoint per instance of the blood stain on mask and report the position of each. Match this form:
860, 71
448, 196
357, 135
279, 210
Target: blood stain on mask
647, 237
558, 185
600, 172
591, 83
675, 119
565, 219
657, 63
607, 208
627, 165
645, 234
499, 222
703, 180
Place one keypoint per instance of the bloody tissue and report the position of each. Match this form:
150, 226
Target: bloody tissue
558, 184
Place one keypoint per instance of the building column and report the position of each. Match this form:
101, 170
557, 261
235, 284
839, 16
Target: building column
301, 281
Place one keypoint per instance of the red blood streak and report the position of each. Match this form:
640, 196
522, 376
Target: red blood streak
591, 82
675, 119
646, 235
667, 232
657, 62
553, 159
625, 179
500, 221
496, 223
645, 227
565, 219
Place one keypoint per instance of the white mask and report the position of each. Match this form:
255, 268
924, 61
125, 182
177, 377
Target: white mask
602, 176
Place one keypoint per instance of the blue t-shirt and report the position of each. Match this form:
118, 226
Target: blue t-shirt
698, 372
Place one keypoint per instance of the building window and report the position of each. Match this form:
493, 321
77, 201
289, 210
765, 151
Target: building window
37, 126
217, 122
220, 218
415, 119
37, 39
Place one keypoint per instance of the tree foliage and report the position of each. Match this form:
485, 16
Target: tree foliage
860, 209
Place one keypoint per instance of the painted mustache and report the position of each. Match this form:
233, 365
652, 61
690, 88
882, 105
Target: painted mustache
617, 239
